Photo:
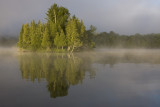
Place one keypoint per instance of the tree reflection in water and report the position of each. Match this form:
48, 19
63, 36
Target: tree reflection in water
60, 70
64, 70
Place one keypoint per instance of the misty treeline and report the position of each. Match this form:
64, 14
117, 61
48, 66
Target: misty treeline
61, 32
114, 40
6, 41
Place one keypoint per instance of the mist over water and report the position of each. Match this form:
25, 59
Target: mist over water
103, 77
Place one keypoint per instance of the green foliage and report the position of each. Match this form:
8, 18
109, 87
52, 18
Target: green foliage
20, 42
114, 40
56, 40
26, 36
60, 31
62, 40
46, 40
52, 30
58, 15
39, 35
33, 34
73, 37
66, 33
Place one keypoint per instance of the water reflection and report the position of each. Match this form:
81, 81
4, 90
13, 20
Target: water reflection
64, 70
60, 70
113, 58
122, 79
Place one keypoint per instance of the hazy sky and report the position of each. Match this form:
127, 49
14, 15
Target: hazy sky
121, 16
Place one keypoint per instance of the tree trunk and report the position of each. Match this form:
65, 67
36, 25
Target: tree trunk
72, 49
69, 48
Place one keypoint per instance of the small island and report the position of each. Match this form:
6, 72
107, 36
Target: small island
60, 33
65, 33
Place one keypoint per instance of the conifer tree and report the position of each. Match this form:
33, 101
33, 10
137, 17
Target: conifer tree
26, 36
20, 42
56, 40
33, 34
82, 28
60, 31
58, 15
62, 40
83, 36
46, 44
43, 28
73, 37
39, 34
52, 31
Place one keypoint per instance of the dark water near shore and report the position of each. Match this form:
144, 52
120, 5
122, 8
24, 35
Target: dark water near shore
103, 78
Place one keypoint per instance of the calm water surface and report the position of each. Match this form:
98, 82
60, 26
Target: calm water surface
104, 78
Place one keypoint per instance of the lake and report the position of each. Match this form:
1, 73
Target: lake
99, 78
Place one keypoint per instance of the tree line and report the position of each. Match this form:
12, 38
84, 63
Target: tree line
61, 32
7, 41
114, 40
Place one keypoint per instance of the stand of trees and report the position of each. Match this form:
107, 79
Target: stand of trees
61, 32
114, 40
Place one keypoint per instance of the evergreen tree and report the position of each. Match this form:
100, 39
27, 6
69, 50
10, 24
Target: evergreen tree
73, 37
26, 37
60, 30
58, 15
56, 40
82, 28
52, 31
39, 35
62, 40
20, 42
46, 44
83, 36
33, 34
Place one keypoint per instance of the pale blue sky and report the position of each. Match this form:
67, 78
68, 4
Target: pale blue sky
121, 16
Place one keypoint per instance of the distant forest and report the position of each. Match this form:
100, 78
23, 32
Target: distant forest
114, 40
63, 33
7, 41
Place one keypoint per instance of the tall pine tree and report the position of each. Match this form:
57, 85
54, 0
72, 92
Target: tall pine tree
46, 44
56, 40
26, 37
20, 42
73, 37
62, 39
